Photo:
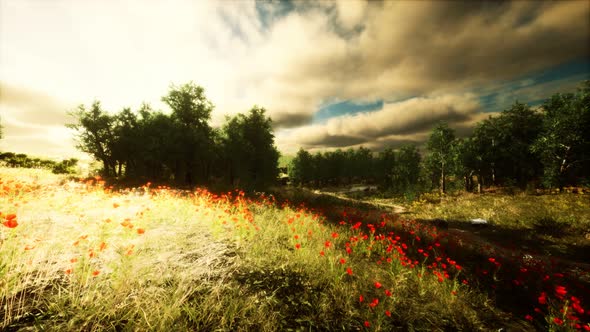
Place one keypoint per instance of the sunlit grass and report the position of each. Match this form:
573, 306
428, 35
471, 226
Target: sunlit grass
83, 257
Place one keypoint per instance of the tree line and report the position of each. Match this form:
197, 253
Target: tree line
180, 146
21, 160
548, 146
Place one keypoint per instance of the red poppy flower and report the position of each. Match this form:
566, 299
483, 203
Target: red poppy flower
374, 303
387, 292
140, 231
387, 313
10, 221
377, 284
367, 324
297, 246
560, 291
543, 298
349, 271
528, 317
557, 320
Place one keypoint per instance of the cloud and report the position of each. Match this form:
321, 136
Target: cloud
405, 121
350, 12
409, 48
20, 104
288, 57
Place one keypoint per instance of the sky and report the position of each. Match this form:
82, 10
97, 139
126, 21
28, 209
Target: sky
331, 74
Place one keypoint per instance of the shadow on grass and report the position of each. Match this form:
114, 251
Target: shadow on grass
533, 251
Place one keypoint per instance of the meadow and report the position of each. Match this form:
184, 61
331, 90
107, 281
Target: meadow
78, 255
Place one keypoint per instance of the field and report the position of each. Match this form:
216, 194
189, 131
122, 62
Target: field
79, 255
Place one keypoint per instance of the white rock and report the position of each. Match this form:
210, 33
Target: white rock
478, 221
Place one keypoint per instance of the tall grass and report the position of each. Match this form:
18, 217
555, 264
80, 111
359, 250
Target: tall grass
84, 257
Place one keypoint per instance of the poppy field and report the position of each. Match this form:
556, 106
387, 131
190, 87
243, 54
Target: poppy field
78, 255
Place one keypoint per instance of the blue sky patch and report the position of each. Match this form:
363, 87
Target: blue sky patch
345, 108
535, 88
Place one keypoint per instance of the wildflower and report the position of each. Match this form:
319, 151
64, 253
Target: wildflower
361, 298
560, 291
116, 205
140, 231
543, 298
377, 284
387, 313
374, 303
327, 244
342, 261
297, 246
10, 221
95, 273
557, 320
68, 271
349, 271
334, 235
102, 246
322, 253
529, 318
387, 292
367, 324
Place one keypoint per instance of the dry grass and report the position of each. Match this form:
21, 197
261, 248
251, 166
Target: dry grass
85, 258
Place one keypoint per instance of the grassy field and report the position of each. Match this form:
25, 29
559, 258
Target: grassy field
79, 256
555, 225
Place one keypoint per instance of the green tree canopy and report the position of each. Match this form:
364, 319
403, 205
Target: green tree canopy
94, 133
564, 143
440, 149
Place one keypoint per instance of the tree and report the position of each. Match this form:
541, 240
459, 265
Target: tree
517, 129
384, 168
564, 143
406, 172
127, 141
95, 134
302, 167
191, 111
249, 148
440, 150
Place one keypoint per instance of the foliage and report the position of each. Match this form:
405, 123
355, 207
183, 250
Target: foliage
248, 148
564, 143
180, 147
95, 134
440, 157
21, 160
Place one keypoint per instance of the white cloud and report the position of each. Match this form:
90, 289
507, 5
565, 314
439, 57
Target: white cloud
127, 52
